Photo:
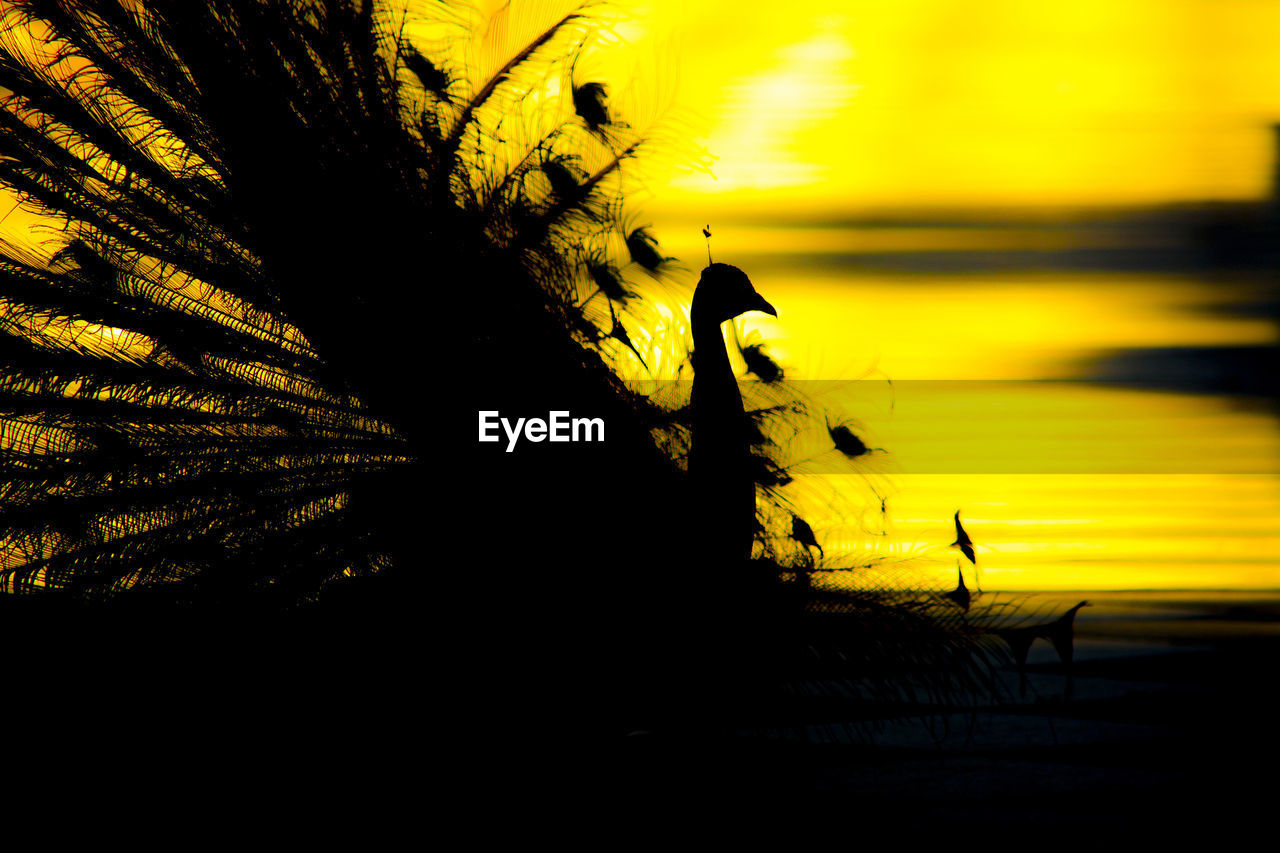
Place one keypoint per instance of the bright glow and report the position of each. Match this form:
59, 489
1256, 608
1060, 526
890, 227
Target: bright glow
858, 103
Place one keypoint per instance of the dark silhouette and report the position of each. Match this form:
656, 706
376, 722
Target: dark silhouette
960, 595
590, 101
963, 542
803, 533
847, 441
761, 364
240, 400
294, 257
1060, 632
719, 457
643, 248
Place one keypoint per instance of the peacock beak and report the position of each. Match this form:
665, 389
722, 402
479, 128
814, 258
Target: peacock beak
762, 305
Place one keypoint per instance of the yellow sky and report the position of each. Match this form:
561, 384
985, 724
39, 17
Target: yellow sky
819, 107
856, 103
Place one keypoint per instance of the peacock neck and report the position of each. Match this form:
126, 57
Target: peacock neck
708, 347
717, 403
719, 469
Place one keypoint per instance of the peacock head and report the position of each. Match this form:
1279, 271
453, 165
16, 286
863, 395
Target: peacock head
724, 292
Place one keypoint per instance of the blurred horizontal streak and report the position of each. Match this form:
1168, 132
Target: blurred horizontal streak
997, 325
1155, 258
1069, 428
839, 239
1185, 240
1024, 427
1076, 531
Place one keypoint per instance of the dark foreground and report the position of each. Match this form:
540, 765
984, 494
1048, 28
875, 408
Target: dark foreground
1170, 727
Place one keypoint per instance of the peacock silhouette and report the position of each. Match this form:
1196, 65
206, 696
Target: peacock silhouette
718, 456
283, 251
